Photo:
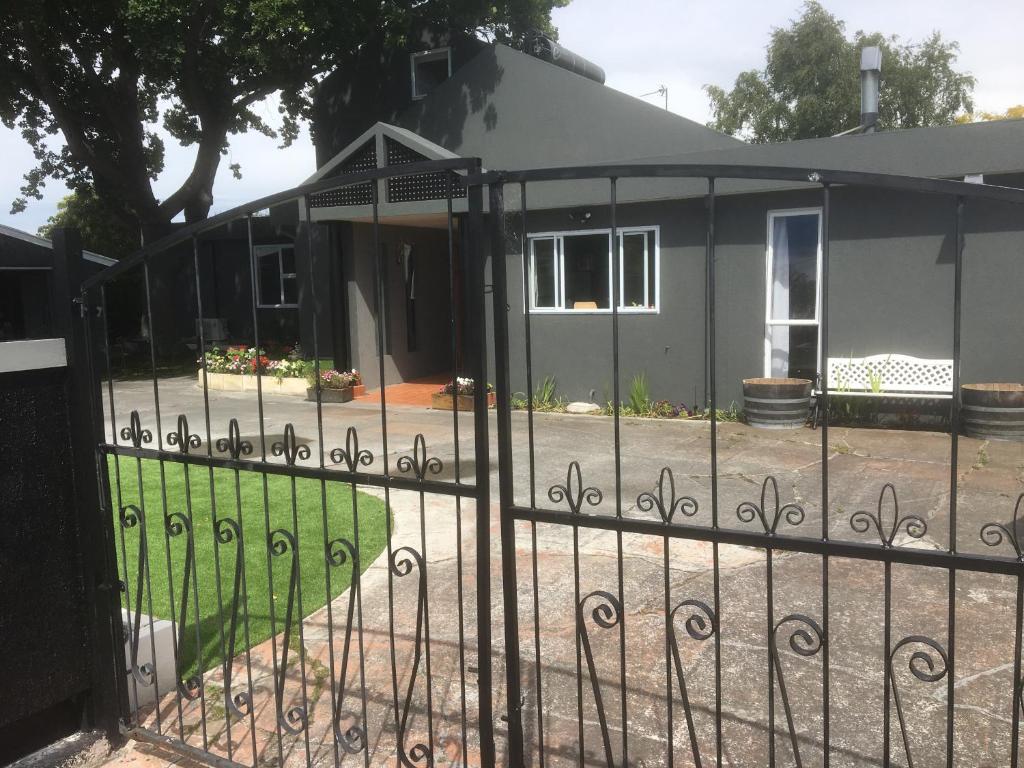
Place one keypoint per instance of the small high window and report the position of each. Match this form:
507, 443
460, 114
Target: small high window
278, 281
572, 271
430, 69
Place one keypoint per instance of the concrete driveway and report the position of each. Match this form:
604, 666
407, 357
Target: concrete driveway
861, 462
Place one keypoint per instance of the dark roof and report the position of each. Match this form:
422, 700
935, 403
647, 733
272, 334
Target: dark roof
42, 242
515, 111
950, 151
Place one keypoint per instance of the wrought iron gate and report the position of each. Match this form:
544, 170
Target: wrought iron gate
237, 514
618, 658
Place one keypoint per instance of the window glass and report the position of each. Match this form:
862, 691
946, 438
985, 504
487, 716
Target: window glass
635, 272
290, 286
794, 267
585, 260
794, 351
429, 71
288, 261
545, 274
270, 278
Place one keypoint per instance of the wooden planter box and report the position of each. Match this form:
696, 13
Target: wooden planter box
233, 382
331, 395
441, 402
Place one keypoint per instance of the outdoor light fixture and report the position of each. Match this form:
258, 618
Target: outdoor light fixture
582, 216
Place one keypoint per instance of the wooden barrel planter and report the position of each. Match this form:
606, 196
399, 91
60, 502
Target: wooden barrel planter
776, 403
993, 411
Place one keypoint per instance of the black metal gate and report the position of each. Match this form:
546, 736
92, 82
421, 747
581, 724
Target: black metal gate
260, 625
755, 635
616, 659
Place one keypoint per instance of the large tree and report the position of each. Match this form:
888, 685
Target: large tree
810, 84
87, 81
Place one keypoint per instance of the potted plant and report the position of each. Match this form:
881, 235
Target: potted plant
777, 403
336, 386
459, 394
993, 411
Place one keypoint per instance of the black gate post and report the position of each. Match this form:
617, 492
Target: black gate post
74, 314
476, 338
509, 580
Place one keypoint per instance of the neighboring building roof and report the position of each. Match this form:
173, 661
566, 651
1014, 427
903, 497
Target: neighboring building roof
515, 111
27, 237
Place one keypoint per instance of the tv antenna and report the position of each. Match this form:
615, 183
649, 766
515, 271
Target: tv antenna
662, 91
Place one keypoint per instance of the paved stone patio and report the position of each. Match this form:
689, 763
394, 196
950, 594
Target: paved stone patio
860, 462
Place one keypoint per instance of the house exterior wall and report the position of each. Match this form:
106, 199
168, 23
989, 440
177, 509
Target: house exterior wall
891, 291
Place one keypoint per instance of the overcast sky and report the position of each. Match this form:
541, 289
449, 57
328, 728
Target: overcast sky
641, 44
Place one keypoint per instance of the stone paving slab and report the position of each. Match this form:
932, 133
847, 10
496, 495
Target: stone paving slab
860, 462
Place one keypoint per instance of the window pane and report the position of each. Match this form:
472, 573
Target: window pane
288, 261
794, 351
545, 282
586, 272
652, 296
270, 278
634, 260
794, 267
291, 290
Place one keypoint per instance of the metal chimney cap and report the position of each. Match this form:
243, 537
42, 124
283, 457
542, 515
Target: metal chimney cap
871, 59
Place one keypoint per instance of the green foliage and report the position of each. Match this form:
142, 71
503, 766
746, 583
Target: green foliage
810, 85
103, 74
310, 535
1015, 112
731, 414
544, 397
639, 394
103, 230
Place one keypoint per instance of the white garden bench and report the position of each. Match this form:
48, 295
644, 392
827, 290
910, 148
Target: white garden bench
888, 376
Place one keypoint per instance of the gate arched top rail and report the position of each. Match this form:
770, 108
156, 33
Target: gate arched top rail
807, 175
471, 167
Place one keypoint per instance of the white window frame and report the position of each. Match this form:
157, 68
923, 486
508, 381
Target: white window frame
769, 321
261, 251
559, 236
431, 55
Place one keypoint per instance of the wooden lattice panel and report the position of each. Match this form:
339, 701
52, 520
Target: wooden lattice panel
889, 373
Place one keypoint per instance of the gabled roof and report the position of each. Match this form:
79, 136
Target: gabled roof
376, 133
515, 111
27, 237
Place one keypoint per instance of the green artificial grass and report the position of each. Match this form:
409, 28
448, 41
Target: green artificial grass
214, 611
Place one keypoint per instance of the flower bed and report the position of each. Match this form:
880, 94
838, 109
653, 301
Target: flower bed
458, 394
244, 369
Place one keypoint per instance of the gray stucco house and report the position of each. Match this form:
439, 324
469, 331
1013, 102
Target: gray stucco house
891, 253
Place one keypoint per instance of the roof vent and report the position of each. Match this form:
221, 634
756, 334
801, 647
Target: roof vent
870, 78
546, 49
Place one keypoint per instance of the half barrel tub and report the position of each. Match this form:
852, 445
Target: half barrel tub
993, 411
776, 403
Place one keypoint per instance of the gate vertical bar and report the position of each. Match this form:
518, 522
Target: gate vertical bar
954, 424
616, 298
509, 577
826, 218
713, 405
477, 342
